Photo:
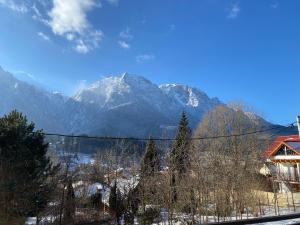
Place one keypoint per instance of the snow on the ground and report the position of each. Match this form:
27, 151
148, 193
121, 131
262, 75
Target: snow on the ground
31, 221
85, 189
283, 222
126, 184
184, 217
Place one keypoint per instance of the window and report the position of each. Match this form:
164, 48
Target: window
290, 152
280, 151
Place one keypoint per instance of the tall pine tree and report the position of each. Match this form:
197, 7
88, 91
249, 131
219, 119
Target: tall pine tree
179, 156
69, 207
24, 169
116, 203
151, 163
149, 170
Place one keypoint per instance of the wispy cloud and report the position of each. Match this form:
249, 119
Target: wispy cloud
70, 36
24, 74
43, 36
234, 11
172, 27
274, 5
13, 5
81, 47
126, 34
31, 79
124, 45
144, 57
37, 15
113, 2
36, 11
144, 20
44, 3
79, 85
67, 19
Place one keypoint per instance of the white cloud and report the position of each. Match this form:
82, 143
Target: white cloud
126, 33
37, 15
90, 42
36, 11
12, 5
234, 11
43, 36
68, 18
81, 47
70, 15
113, 2
144, 57
124, 45
70, 36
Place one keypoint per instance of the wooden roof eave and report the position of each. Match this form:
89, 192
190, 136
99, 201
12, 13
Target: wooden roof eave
280, 145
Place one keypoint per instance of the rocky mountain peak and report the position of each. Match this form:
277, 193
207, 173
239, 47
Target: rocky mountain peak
126, 105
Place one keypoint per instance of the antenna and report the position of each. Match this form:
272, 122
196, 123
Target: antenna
298, 123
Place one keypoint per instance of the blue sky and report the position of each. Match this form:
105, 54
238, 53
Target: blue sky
234, 50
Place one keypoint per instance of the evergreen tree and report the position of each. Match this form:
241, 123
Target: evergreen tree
116, 203
131, 204
96, 200
120, 207
113, 199
69, 209
179, 155
147, 187
151, 163
24, 169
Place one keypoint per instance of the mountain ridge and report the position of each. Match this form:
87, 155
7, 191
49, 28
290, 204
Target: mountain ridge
122, 105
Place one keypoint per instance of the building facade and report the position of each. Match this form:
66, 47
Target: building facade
283, 161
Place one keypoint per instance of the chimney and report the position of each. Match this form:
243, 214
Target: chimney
298, 123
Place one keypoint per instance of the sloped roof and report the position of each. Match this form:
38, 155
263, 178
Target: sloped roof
292, 141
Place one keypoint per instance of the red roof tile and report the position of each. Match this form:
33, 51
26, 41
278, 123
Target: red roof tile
279, 141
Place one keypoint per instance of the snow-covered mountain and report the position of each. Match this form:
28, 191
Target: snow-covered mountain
121, 91
135, 102
41, 106
124, 105
191, 100
52, 112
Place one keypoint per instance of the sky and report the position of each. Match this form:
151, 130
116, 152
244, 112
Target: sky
235, 50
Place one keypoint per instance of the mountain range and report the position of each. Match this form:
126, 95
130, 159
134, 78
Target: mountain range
122, 105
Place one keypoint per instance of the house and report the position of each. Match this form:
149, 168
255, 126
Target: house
283, 162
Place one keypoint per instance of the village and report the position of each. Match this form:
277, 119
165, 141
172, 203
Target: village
274, 192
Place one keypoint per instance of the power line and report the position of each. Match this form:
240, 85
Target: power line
167, 139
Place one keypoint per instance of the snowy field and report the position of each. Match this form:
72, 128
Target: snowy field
179, 221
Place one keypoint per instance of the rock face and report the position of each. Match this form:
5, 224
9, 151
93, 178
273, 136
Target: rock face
40, 106
123, 105
133, 102
190, 100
